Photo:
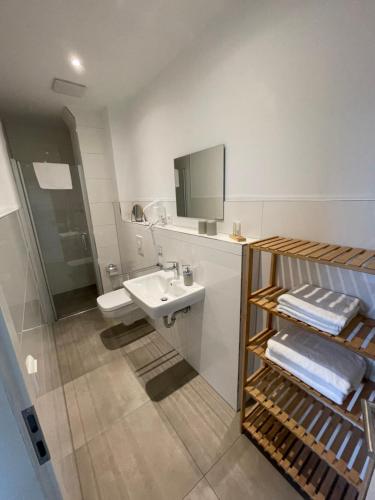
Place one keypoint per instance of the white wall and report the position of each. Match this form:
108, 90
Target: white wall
288, 88
90, 132
208, 336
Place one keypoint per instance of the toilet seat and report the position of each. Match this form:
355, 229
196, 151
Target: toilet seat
119, 305
111, 301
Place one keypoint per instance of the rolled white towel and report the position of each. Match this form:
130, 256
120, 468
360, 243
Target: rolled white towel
319, 306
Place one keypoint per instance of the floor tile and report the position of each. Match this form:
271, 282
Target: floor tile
139, 458
147, 349
79, 346
243, 472
202, 491
100, 397
51, 411
195, 414
67, 478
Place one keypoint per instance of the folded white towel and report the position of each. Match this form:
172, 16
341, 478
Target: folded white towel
328, 363
327, 310
326, 390
320, 325
53, 175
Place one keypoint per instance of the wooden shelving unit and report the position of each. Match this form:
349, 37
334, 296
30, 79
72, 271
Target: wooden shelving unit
318, 443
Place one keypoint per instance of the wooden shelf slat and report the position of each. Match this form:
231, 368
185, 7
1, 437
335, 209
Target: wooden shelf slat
361, 259
304, 416
360, 342
303, 465
357, 259
350, 409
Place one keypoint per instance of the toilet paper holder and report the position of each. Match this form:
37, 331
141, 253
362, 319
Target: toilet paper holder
112, 270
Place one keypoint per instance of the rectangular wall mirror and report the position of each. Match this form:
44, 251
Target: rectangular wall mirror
199, 181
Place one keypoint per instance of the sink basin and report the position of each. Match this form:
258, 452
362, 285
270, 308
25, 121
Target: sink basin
160, 294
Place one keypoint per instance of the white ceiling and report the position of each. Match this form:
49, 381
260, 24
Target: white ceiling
123, 44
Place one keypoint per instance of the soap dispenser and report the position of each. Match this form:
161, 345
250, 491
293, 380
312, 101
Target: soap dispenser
187, 273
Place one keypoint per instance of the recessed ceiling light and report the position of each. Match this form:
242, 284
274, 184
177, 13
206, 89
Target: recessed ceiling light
76, 63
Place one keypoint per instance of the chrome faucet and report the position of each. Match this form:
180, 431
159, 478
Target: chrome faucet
172, 266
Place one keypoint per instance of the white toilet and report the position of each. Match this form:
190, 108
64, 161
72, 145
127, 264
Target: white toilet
119, 305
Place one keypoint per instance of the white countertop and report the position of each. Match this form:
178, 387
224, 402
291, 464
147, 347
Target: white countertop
191, 231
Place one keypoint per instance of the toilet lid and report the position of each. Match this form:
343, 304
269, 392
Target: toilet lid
114, 300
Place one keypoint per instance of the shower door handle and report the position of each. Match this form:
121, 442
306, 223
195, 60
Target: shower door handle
84, 241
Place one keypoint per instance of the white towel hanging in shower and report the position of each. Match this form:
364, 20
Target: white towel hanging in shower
53, 175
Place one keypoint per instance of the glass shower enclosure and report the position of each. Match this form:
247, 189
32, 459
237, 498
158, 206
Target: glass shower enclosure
63, 233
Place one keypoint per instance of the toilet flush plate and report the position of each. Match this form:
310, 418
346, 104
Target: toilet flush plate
160, 294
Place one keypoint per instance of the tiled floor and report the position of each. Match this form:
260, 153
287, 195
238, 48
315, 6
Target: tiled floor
80, 299
145, 425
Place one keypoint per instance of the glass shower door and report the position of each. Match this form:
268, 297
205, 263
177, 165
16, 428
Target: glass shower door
62, 232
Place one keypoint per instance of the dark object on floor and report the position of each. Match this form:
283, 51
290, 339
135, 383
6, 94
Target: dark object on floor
121, 335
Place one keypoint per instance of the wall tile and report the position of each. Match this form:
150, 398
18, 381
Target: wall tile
102, 214
100, 190
91, 140
109, 255
105, 236
96, 166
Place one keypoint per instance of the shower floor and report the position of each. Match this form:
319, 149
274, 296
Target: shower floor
146, 425
74, 301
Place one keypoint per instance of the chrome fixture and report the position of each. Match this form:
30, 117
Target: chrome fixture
153, 267
172, 266
168, 323
112, 269
84, 241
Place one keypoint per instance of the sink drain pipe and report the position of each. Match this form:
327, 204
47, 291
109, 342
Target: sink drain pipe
169, 322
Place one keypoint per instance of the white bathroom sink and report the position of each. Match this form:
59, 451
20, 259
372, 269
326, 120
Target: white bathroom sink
160, 294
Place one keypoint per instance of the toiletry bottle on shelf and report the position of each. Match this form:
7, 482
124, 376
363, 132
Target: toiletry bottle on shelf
187, 273
236, 234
